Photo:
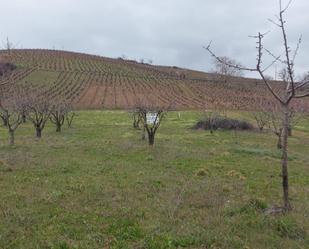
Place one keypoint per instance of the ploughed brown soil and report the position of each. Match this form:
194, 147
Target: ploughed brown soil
94, 82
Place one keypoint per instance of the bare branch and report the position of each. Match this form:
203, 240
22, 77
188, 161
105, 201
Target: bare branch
289, 63
296, 50
287, 6
273, 22
302, 95
271, 64
259, 70
219, 59
277, 58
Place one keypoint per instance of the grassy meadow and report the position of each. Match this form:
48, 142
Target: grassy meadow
98, 185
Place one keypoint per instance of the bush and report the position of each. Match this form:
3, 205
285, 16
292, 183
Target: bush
6, 67
224, 123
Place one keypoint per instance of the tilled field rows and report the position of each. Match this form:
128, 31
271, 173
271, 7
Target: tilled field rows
93, 82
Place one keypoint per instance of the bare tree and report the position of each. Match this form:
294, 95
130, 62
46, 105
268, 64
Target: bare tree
8, 45
151, 116
154, 117
290, 88
58, 113
3, 114
69, 117
39, 110
137, 118
265, 114
224, 71
260, 118
210, 117
11, 111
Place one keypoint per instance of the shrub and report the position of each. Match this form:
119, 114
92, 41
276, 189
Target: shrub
6, 67
224, 123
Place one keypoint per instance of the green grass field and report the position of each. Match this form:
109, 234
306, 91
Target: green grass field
98, 185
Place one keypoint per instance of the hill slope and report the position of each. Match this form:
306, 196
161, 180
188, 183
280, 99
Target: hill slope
90, 81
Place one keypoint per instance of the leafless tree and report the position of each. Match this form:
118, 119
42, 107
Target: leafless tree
58, 113
3, 114
39, 109
210, 117
69, 116
12, 111
152, 125
290, 88
136, 116
212, 110
260, 118
8, 45
225, 72
261, 113
151, 116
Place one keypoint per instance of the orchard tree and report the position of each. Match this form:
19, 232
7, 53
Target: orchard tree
3, 113
151, 116
139, 115
152, 119
260, 115
39, 109
69, 116
59, 112
137, 118
12, 111
224, 71
289, 89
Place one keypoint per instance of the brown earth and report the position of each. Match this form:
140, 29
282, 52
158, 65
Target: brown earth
94, 82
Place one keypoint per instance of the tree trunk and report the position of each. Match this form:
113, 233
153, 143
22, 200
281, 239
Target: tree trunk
151, 137
5, 122
284, 164
290, 131
279, 143
11, 137
38, 132
134, 124
58, 125
143, 133
23, 118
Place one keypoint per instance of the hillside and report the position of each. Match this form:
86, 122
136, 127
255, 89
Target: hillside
94, 82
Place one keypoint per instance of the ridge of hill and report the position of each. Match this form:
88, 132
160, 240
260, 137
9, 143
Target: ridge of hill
95, 82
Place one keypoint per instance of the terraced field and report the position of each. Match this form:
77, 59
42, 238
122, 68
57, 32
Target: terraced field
93, 82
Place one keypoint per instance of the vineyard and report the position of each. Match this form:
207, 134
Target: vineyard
94, 82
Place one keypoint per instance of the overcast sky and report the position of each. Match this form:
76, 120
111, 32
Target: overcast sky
170, 32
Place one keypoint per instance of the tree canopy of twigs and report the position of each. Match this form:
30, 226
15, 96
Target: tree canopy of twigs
12, 110
39, 109
289, 90
225, 72
145, 108
59, 113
